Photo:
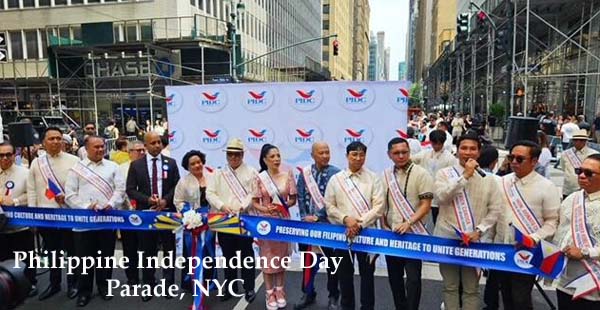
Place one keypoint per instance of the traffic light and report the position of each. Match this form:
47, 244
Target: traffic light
462, 25
481, 19
502, 40
336, 47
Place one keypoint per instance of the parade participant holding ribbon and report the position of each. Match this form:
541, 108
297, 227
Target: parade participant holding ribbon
435, 159
13, 187
275, 192
469, 205
578, 233
129, 238
230, 190
96, 184
311, 203
531, 204
572, 159
45, 189
151, 182
190, 192
409, 191
354, 198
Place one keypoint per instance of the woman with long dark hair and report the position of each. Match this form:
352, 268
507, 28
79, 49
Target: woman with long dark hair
275, 192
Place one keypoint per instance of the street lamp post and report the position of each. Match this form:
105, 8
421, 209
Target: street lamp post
239, 9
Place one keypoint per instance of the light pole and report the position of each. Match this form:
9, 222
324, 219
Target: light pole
239, 9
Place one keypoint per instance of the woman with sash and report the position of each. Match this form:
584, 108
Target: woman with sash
275, 192
190, 192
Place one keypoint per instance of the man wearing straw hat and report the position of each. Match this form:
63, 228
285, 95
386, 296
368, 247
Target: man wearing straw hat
572, 159
229, 191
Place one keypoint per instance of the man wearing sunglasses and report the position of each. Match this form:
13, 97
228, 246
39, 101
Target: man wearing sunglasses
13, 192
230, 191
531, 204
572, 158
469, 204
577, 235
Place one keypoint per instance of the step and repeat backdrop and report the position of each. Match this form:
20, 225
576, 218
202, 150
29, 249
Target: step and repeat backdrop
291, 116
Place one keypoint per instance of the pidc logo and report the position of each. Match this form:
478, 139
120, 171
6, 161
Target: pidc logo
174, 101
357, 98
359, 132
263, 228
306, 99
255, 137
304, 135
175, 138
258, 100
212, 101
213, 137
523, 259
400, 99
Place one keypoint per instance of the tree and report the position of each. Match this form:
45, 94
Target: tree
415, 99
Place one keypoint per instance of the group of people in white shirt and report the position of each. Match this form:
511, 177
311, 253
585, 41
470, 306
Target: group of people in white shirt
435, 181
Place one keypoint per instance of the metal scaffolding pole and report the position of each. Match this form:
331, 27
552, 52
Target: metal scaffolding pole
473, 74
526, 58
512, 64
91, 55
489, 88
58, 83
150, 88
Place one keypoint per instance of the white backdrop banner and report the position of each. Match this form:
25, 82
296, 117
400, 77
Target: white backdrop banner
291, 116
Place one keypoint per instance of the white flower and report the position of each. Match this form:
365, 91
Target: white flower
192, 220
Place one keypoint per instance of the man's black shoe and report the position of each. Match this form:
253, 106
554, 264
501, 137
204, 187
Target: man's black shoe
305, 301
146, 298
83, 300
72, 292
333, 303
32, 291
49, 292
250, 296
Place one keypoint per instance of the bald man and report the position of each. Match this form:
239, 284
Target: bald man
311, 190
151, 182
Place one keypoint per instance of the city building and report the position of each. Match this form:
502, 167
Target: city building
360, 62
423, 39
338, 19
411, 39
373, 59
94, 60
402, 71
386, 64
380, 55
443, 26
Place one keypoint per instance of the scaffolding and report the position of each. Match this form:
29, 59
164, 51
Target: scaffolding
550, 62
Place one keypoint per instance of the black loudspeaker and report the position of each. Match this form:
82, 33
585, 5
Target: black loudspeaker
21, 134
521, 128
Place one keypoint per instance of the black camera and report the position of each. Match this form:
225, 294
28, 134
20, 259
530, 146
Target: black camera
14, 286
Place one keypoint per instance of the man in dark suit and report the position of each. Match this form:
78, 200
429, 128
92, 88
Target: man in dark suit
151, 182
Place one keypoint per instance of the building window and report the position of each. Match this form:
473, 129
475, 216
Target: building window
28, 3
326, 25
193, 2
60, 2
93, 1
325, 8
13, 4
32, 44
44, 2
75, 2
16, 44
44, 43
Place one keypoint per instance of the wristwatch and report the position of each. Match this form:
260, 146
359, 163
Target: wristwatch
585, 253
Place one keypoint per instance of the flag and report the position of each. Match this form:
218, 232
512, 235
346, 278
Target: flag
53, 190
462, 235
524, 239
548, 258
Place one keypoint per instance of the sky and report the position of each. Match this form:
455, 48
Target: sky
391, 16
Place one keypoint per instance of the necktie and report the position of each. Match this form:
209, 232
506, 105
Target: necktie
154, 177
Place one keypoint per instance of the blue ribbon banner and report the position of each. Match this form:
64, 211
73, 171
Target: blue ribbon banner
428, 248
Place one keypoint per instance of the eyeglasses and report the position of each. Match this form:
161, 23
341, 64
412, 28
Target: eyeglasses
6, 155
587, 172
519, 159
